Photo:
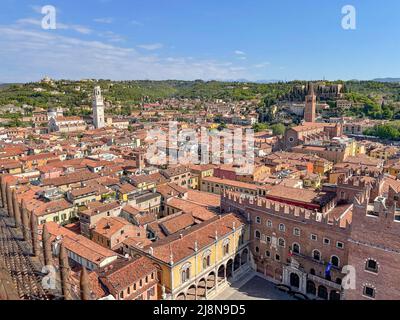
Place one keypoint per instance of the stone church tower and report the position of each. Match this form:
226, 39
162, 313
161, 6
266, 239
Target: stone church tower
311, 105
98, 108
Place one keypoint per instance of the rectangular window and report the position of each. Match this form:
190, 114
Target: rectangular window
327, 241
340, 245
369, 292
314, 237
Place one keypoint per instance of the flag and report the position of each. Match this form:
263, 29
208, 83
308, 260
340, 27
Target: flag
328, 270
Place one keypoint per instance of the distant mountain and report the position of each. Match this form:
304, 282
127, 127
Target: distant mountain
269, 81
387, 80
252, 81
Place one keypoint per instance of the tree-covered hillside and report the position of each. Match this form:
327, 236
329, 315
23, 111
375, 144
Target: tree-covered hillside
74, 95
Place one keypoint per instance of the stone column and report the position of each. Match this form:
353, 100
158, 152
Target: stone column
47, 252
64, 273
9, 201
216, 278
34, 235
2, 193
25, 222
84, 285
285, 276
303, 283
16, 208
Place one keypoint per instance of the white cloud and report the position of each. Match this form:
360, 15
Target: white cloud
150, 46
104, 20
262, 65
37, 9
27, 53
111, 36
30, 21
136, 23
239, 53
59, 25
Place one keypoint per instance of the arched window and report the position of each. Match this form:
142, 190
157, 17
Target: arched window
257, 249
296, 248
185, 272
296, 232
335, 261
316, 255
282, 227
225, 247
258, 220
206, 260
371, 265
257, 234
269, 224
281, 242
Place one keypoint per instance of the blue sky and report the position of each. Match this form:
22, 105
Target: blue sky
199, 39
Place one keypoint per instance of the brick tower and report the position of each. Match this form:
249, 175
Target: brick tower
310, 105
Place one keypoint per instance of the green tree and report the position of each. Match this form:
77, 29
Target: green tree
278, 129
260, 127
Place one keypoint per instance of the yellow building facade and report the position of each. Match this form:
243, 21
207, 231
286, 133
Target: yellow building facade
220, 254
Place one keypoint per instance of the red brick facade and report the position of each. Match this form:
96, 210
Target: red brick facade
293, 245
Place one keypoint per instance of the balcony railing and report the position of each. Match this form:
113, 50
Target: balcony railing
325, 282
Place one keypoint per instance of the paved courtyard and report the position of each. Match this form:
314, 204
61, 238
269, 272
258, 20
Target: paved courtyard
255, 289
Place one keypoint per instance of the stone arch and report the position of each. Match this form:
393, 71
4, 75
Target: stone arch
191, 293
211, 281
202, 288
296, 248
335, 261
316, 255
221, 273
322, 292
311, 288
334, 295
294, 280
245, 256
229, 269
236, 263
181, 296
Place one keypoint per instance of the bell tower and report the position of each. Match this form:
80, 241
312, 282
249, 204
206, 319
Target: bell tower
98, 108
310, 105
